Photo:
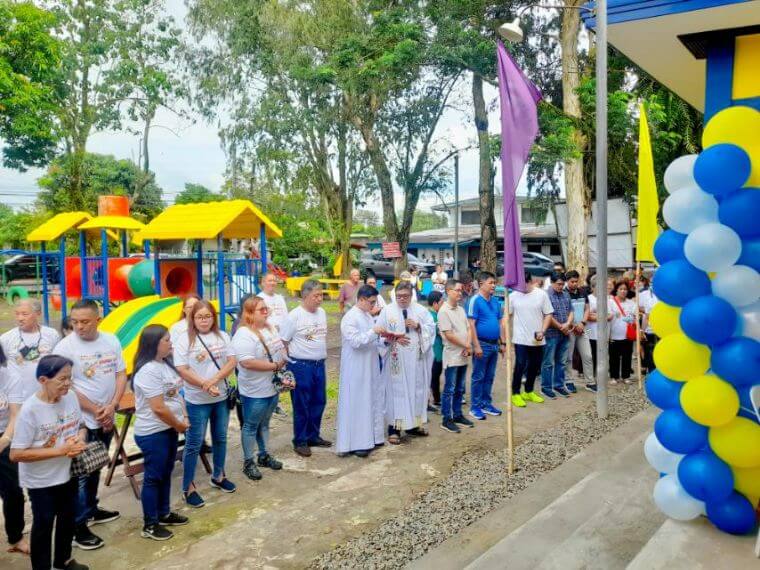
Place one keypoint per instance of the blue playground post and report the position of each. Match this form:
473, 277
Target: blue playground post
146, 248
220, 282
124, 244
199, 269
45, 308
82, 263
104, 271
157, 268
263, 248
62, 275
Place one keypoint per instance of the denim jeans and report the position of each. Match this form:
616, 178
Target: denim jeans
553, 363
528, 364
453, 390
159, 453
88, 484
309, 399
13, 498
256, 415
52, 507
200, 415
483, 371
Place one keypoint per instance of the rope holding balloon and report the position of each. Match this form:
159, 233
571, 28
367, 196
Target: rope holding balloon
706, 440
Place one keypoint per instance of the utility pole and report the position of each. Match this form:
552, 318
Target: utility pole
456, 216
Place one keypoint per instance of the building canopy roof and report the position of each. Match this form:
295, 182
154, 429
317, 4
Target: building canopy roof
231, 219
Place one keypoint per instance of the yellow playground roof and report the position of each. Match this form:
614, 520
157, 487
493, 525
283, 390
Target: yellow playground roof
58, 225
230, 219
112, 223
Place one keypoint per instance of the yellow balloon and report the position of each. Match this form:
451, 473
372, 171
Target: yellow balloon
709, 401
680, 358
664, 319
737, 443
740, 126
747, 481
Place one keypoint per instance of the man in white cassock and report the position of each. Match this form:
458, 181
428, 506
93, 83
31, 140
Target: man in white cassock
406, 375
361, 394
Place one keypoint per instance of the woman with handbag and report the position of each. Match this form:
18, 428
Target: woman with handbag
622, 334
260, 355
160, 417
48, 433
204, 358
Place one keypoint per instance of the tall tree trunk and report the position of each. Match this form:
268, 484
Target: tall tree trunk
488, 234
577, 196
145, 137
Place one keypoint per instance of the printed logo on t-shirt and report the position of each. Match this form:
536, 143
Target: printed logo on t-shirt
313, 332
98, 364
64, 427
171, 387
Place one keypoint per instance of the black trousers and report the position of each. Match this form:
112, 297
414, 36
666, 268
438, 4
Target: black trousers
12, 496
527, 362
592, 341
621, 352
435, 381
53, 506
648, 345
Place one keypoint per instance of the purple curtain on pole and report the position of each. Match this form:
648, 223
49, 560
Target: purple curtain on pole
519, 127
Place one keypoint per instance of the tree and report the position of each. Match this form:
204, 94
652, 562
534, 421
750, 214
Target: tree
197, 193
100, 175
30, 59
428, 221
15, 226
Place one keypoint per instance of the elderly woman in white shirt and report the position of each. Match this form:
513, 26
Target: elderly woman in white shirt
621, 346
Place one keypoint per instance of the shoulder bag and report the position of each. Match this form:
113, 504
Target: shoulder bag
283, 380
233, 397
630, 330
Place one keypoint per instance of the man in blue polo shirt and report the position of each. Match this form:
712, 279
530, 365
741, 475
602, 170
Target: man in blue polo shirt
557, 339
484, 312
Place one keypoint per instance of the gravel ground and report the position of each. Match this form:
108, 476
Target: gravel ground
475, 486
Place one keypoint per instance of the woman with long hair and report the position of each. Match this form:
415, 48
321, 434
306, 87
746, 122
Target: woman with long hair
260, 353
180, 327
47, 435
621, 346
159, 417
204, 359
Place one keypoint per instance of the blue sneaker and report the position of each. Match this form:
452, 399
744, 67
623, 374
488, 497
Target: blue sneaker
224, 485
549, 394
571, 388
193, 499
477, 413
562, 392
492, 410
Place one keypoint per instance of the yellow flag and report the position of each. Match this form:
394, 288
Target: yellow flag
648, 203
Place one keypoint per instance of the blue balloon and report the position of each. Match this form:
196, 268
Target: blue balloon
678, 282
669, 246
745, 404
679, 433
741, 211
709, 320
734, 515
750, 254
722, 169
737, 361
662, 391
705, 476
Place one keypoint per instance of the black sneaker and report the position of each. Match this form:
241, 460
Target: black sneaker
432, 409
571, 387
562, 392
156, 532
173, 519
194, 499
362, 452
269, 461
461, 420
590, 387
86, 540
103, 516
280, 412
449, 425
73, 565
319, 442
251, 471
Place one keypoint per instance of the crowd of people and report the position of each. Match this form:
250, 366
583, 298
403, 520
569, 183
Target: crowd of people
400, 361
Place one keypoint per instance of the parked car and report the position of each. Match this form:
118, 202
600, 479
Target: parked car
538, 265
20, 266
384, 268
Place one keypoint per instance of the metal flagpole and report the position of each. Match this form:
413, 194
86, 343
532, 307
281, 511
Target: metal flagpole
638, 327
510, 372
456, 216
602, 371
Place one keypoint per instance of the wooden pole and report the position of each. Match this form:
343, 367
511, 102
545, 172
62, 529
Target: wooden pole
638, 327
510, 372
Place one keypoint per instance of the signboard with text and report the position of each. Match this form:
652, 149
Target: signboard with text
391, 249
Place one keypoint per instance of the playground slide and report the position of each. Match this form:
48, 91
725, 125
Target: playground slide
130, 318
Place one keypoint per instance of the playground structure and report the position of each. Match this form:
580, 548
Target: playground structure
141, 289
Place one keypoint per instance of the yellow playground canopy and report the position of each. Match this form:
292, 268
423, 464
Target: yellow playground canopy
231, 219
112, 223
59, 224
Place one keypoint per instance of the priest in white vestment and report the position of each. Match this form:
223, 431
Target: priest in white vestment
405, 371
361, 394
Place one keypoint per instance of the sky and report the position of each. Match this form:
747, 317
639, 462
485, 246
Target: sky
184, 150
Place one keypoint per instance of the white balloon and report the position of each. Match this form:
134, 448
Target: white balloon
689, 208
671, 498
680, 173
662, 459
749, 321
713, 247
738, 284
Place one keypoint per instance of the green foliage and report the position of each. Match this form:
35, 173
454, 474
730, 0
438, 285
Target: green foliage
197, 193
30, 59
102, 174
428, 221
14, 226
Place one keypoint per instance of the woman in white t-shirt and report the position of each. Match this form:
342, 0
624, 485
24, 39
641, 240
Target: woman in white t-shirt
621, 348
48, 432
592, 327
180, 327
204, 358
439, 278
260, 353
160, 417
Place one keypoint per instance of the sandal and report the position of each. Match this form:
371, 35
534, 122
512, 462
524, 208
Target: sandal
418, 432
394, 439
21, 547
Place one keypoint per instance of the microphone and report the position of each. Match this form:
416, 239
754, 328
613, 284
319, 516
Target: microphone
405, 313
